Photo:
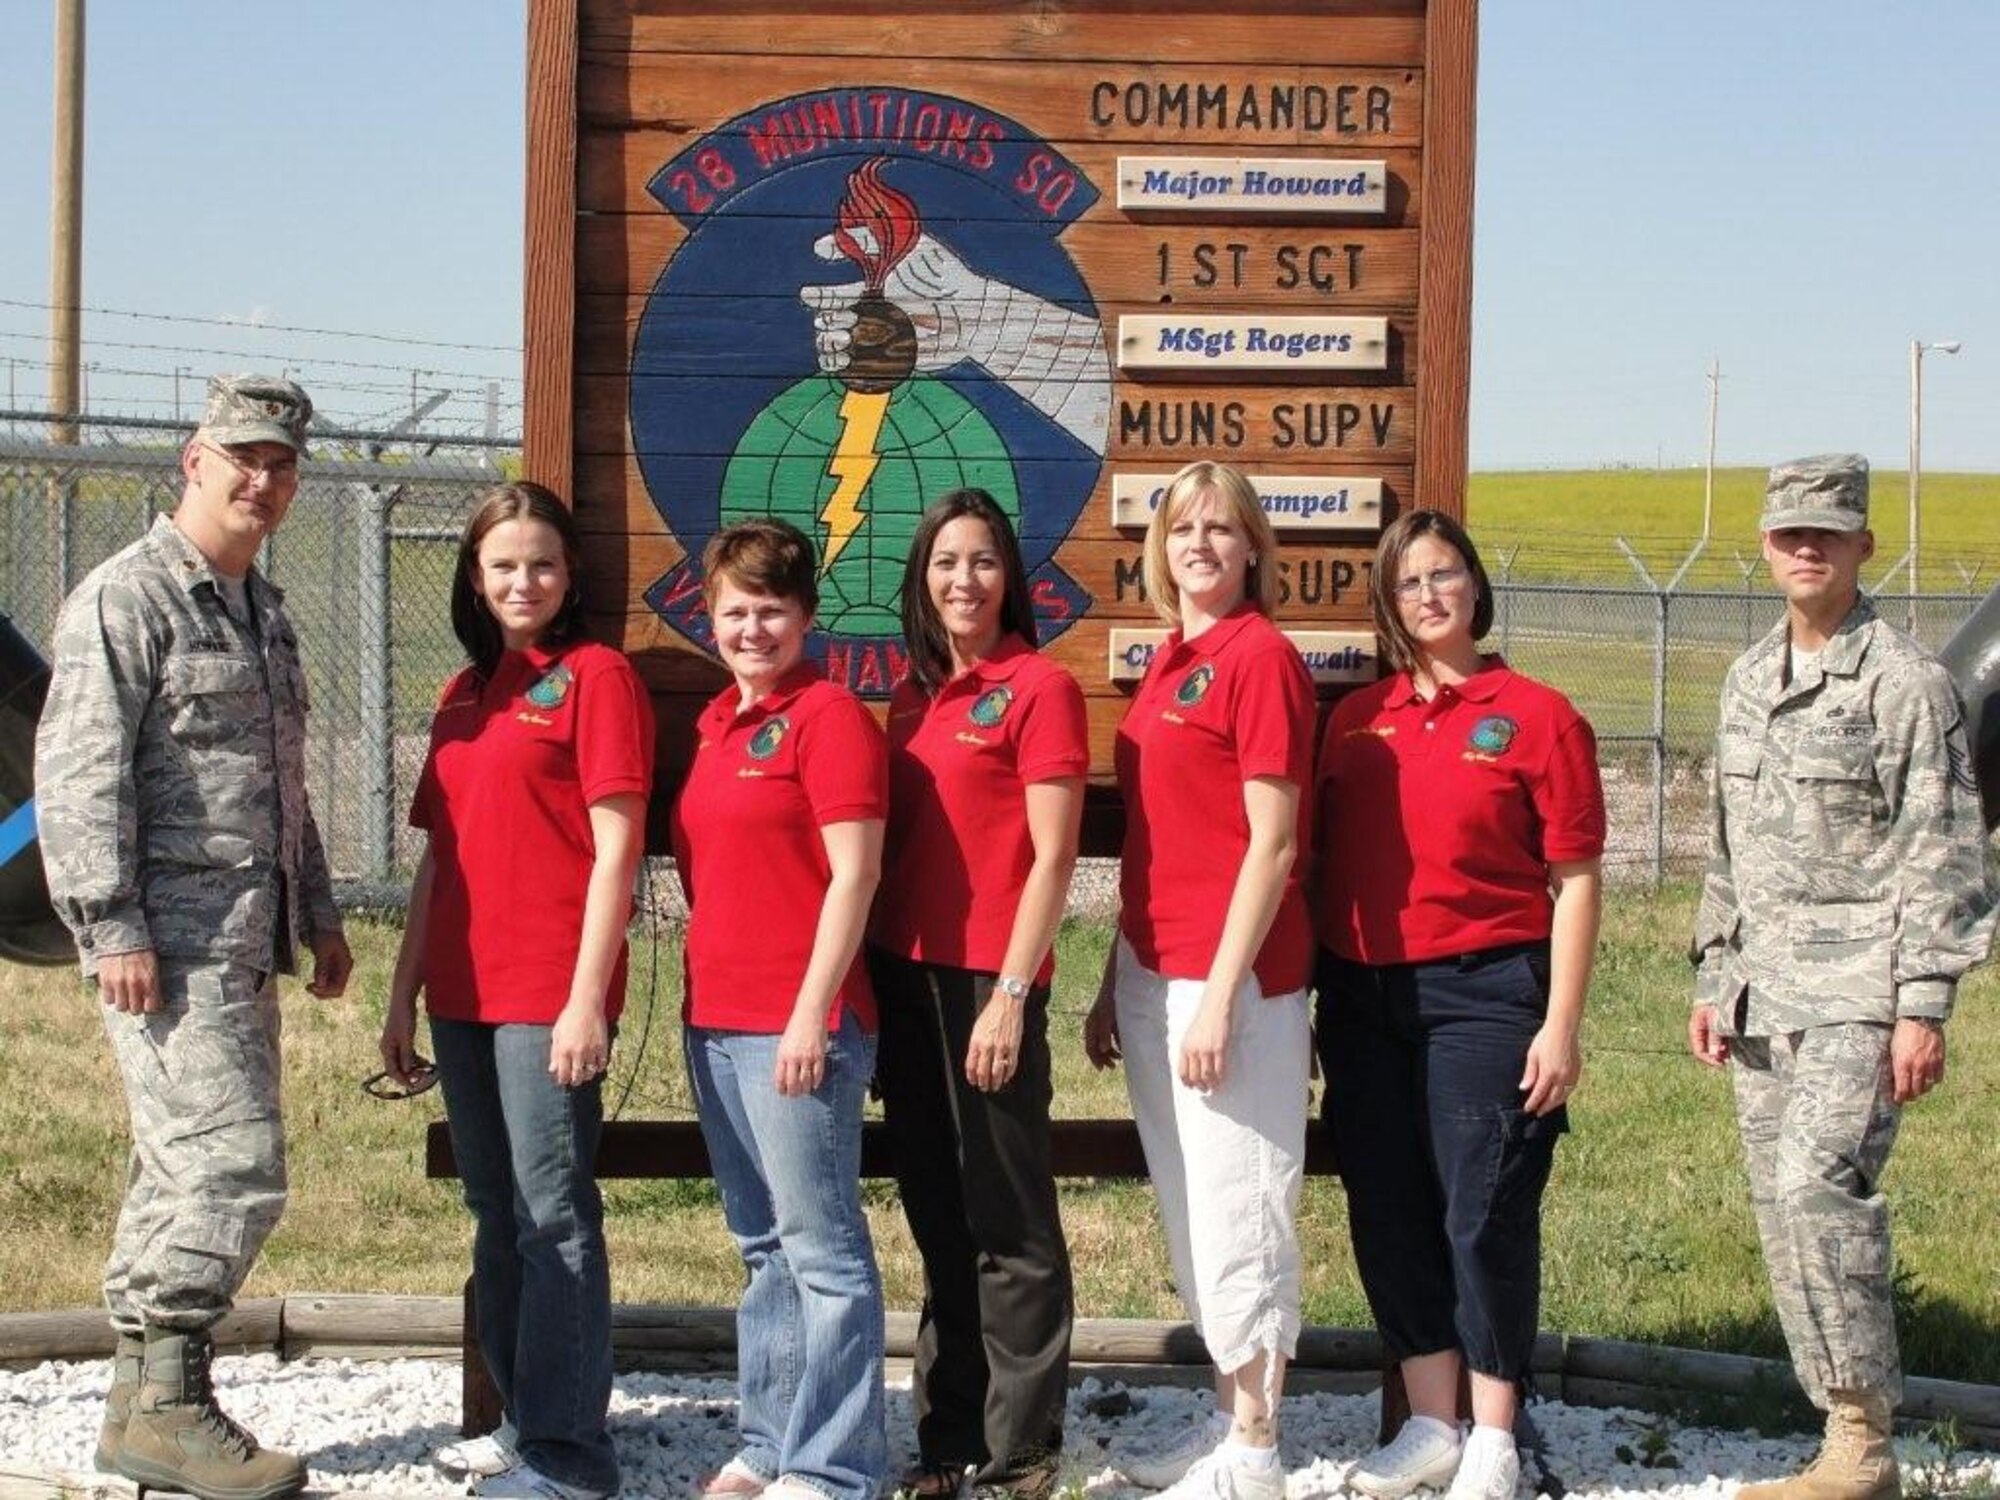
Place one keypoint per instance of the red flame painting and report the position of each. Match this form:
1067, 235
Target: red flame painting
890, 218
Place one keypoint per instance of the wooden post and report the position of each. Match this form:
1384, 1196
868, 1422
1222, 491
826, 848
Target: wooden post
479, 1397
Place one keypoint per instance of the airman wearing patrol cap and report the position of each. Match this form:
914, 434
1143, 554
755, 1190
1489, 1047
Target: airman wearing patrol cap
182, 853
247, 409
1848, 888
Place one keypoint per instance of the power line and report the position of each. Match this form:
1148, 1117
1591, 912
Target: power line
338, 333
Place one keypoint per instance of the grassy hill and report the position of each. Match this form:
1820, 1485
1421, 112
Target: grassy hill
1560, 525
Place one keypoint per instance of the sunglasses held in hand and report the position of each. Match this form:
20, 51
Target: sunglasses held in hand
383, 1085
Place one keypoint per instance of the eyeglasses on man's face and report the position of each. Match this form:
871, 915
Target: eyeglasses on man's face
1438, 581
277, 470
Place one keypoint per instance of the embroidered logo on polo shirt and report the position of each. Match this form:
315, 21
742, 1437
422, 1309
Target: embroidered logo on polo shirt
764, 743
1492, 734
990, 707
552, 689
1194, 687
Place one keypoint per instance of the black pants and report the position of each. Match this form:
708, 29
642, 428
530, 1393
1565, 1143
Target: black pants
992, 1366
1444, 1171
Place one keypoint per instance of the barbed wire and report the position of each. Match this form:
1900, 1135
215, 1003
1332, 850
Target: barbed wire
212, 322
330, 363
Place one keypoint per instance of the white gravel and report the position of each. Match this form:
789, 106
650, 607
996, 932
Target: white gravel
371, 1426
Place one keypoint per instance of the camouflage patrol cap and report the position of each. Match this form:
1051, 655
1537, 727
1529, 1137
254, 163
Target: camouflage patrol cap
1828, 492
256, 409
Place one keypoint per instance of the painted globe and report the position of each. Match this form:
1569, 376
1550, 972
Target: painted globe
853, 470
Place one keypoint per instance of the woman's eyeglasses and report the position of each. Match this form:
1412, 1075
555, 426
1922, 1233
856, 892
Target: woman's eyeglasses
1438, 581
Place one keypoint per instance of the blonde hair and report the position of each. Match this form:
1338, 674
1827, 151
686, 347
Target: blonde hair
1239, 501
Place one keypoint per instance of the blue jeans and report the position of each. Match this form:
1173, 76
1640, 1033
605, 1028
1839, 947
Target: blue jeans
526, 1149
809, 1329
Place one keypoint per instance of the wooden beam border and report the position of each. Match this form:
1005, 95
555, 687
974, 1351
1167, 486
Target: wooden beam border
1444, 335
549, 268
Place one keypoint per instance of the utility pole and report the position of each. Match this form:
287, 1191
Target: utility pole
1917, 349
66, 257
1708, 487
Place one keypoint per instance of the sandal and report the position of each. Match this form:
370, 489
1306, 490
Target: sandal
735, 1480
928, 1480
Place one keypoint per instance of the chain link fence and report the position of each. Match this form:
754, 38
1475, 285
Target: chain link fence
365, 559
366, 556
1645, 666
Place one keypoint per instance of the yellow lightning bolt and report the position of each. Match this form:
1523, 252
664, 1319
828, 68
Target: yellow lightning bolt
853, 463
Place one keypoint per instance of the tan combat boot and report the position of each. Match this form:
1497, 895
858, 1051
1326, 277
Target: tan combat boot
1856, 1461
127, 1366
179, 1439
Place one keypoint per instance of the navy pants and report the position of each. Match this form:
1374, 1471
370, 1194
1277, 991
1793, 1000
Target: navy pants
1444, 1171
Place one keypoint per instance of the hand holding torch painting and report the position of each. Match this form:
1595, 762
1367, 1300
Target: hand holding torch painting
920, 307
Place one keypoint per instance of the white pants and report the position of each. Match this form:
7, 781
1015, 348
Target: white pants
1227, 1163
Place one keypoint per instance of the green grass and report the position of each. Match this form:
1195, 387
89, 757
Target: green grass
1559, 525
1649, 1234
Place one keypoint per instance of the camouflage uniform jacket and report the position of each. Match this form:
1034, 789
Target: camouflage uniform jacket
1848, 875
170, 768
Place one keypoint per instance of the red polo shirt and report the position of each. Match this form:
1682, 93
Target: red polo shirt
958, 850
1438, 821
746, 831
1211, 714
514, 764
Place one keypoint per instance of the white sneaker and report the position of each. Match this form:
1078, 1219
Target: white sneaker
1217, 1478
524, 1483
1490, 1469
1426, 1451
479, 1457
1161, 1467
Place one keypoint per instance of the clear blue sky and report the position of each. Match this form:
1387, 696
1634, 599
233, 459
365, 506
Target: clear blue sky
1795, 187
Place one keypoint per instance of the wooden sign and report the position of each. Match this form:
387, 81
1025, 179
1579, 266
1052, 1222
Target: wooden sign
1251, 185
826, 263
1334, 657
1293, 502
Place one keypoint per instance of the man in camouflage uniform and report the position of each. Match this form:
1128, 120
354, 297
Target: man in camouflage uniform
1848, 888
181, 852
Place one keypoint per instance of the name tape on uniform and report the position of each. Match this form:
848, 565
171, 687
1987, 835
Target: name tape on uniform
1177, 341
1330, 655
1293, 502
1239, 184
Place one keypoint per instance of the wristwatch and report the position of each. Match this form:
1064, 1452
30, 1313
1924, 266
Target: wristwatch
1013, 989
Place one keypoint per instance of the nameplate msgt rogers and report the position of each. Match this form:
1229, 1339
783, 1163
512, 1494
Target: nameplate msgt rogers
1169, 341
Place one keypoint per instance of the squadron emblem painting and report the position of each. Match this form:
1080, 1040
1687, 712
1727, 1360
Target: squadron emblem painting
924, 358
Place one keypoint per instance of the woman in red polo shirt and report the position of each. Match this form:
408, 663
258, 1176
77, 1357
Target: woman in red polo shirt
987, 754
778, 836
1205, 993
534, 796
1461, 823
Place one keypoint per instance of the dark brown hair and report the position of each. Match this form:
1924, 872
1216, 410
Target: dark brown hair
471, 621
1398, 645
762, 557
923, 632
